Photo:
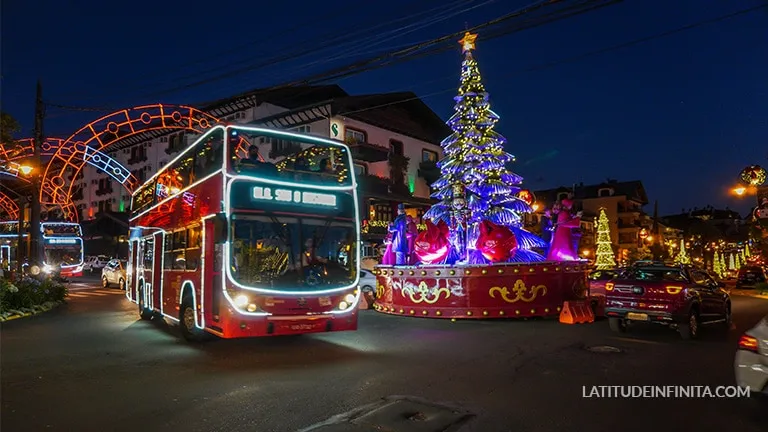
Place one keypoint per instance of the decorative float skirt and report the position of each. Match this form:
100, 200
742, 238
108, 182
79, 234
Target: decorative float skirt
489, 291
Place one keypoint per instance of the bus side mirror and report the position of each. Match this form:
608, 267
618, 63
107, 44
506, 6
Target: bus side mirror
220, 228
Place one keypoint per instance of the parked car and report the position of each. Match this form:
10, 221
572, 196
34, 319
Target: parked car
749, 276
751, 363
597, 281
368, 282
93, 263
114, 273
681, 297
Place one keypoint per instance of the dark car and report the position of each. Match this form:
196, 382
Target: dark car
682, 297
749, 276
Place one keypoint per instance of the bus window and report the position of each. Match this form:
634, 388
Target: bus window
168, 256
209, 155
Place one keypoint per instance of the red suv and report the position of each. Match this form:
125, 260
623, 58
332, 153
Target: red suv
682, 297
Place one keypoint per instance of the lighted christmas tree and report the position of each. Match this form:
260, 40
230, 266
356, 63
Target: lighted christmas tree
738, 262
716, 265
747, 252
682, 257
604, 258
731, 262
475, 184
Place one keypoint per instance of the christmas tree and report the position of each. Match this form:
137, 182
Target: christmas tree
604, 257
682, 257
716, 265
747, 253
475, 184
731, 262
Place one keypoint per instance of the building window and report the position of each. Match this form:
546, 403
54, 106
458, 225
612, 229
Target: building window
360, 169
428, 156
605, 192
354, 136
396, 147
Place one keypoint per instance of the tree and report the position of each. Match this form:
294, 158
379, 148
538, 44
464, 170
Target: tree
747, 253
731, 262
682, 257
475, 184
604, 258
8, 127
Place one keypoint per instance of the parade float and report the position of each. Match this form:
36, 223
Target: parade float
475, 259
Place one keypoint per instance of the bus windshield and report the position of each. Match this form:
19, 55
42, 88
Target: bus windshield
293, 253
63, 255
289, 157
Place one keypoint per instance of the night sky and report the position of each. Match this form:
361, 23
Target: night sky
683, 113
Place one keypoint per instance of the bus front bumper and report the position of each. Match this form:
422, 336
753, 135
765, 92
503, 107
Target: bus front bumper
241, 326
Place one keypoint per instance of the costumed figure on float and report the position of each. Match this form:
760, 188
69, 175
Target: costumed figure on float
563, 246
476, 259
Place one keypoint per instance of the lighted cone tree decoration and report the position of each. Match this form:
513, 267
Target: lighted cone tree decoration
747, 252
716, 269
475, 184
731, 262
682, 257
604, 258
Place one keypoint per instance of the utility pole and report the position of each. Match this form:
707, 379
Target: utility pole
34, 225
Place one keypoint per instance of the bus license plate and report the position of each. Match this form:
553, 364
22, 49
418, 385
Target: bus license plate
325, 301
637, 316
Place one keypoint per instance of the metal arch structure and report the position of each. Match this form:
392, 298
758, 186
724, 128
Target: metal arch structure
9, 206
24, 148
85, 146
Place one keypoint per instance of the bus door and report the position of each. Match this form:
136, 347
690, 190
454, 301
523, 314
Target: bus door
145, 253
154, 268
135, 260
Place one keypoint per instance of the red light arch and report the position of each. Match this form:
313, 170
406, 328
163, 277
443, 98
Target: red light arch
9, 207
108, 130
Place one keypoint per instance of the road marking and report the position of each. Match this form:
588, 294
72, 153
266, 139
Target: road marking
639, 341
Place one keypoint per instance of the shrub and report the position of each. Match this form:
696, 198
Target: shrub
30, 291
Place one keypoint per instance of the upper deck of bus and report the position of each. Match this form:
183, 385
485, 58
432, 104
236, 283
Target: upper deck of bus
300, 160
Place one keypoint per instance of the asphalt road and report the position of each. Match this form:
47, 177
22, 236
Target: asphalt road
90, 365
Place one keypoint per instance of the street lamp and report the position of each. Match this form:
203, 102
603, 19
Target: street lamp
741, 190
25, 169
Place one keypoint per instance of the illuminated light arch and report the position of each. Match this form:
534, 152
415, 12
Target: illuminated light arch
9, 206
81, 147
25, 148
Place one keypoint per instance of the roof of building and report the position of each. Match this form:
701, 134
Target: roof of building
633, 190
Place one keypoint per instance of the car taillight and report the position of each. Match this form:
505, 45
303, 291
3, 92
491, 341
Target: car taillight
609, 286
674, 289
748, 343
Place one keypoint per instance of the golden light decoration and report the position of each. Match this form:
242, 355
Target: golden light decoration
753, 175
468, 42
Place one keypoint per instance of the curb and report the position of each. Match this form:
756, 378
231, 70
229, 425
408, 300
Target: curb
748, 293
26, 312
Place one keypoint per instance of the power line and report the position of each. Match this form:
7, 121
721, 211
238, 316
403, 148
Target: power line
581, 56
313, 45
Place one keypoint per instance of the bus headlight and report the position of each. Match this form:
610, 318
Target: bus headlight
343, 305
241, 301
349, 298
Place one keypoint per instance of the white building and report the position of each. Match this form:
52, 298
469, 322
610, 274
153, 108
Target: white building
381, 130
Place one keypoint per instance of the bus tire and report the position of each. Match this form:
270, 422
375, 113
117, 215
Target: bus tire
187, 321
144, 312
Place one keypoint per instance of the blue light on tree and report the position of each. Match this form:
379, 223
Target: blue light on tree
475, 184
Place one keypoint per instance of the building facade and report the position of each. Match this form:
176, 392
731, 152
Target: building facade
633, 232
394, 139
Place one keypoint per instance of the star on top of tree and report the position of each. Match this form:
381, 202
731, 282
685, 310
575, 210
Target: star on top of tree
468, 42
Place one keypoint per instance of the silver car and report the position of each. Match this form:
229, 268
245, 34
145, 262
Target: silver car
751, 362
114, 274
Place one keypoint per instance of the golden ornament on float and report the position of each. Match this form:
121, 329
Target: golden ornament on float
753, 175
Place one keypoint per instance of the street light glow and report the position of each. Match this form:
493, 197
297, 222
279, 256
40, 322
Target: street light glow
25, 169
740, 190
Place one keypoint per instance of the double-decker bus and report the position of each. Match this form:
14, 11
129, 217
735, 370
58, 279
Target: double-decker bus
229, 244
62, 247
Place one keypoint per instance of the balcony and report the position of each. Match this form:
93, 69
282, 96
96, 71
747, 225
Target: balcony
367, 152
429, 171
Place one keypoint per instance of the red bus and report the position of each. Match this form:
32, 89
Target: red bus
226, 243
62, 247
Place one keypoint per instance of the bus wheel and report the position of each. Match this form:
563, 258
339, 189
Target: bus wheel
187, 321
144, 312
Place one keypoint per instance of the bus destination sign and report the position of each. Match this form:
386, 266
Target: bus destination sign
293, 196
